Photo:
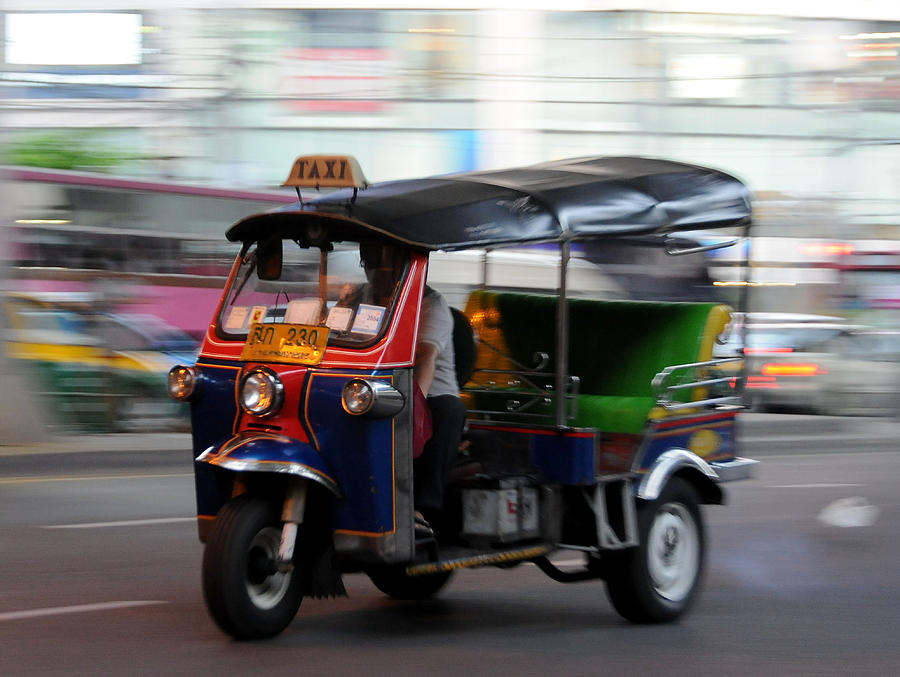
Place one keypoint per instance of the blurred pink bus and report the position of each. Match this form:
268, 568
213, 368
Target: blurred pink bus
155, 245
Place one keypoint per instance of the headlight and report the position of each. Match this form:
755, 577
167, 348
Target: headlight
261, 392
373, 398
182, 382
358, 396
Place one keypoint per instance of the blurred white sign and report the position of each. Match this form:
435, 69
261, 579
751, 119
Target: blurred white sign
73, 38
706, 76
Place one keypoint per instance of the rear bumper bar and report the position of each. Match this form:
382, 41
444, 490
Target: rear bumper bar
736, 469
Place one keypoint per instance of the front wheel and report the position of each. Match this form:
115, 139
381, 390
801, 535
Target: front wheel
245, 593
658, 581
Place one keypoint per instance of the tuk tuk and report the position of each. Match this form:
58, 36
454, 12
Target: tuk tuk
593, 426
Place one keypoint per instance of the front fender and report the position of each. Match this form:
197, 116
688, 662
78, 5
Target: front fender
270, 453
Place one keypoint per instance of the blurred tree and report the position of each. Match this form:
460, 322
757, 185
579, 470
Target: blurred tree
63, 149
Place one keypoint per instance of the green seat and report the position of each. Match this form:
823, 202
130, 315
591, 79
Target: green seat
615, 347
613, 413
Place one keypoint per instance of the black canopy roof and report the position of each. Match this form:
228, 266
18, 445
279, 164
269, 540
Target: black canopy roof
555, 201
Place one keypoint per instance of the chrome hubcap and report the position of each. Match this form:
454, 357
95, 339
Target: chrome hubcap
673, 552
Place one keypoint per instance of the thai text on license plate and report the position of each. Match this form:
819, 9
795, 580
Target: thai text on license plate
290, 343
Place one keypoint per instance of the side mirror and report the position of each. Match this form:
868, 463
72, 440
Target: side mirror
268, 259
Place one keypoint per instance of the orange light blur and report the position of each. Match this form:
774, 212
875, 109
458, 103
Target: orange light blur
828, 249
762, 382
798, 369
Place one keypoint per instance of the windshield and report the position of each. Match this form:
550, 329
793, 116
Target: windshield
780, 339
349, 287
791, 338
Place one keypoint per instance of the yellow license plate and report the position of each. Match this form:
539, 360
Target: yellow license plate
290, 343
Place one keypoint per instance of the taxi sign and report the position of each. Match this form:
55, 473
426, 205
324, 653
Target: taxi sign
287, 343
326, 171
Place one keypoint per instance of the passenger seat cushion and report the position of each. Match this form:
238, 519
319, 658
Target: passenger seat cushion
615, 347
613, 413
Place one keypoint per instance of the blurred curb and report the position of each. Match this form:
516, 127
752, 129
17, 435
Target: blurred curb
763, 433
767, 434
793, 425
119, 442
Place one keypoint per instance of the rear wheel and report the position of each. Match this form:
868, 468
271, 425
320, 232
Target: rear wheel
245, 593
658, 581
394, 582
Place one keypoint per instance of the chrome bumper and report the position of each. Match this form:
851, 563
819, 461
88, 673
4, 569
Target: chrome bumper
736, 469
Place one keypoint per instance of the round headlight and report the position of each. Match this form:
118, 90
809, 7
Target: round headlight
358, 396
373, 398
261, 392
182, 382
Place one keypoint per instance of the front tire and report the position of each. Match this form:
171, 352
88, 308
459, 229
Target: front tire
245, 593
658, 581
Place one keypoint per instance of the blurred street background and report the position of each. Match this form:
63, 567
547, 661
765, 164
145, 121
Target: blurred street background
133, 133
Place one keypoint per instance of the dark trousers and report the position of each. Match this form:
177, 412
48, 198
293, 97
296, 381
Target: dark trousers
431, 470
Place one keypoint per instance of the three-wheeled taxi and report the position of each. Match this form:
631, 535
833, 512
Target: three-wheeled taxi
594, 426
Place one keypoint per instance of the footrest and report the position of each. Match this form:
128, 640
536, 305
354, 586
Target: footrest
480, 559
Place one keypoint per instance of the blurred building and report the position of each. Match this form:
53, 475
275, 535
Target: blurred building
229, 92
799, 99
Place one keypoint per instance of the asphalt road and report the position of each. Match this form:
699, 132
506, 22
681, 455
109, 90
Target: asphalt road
99, 575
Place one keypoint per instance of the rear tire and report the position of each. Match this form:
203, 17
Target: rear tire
393, 582
245, 594
658, 581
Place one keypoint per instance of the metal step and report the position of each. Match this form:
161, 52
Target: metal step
466, 558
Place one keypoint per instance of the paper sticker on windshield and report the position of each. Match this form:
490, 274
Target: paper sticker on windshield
303, 311
339, 318
237, 318
258, 314
368, 319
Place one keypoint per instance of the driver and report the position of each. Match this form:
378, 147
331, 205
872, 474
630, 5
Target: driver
435, 375
383, 265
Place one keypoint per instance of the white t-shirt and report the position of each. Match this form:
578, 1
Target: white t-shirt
436, 328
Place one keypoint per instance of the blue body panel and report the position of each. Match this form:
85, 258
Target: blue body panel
352, 456
711, 436
214, 416
570, 457
360, 450
565, 459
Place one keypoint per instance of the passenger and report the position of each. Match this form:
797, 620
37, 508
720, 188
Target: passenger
435, 375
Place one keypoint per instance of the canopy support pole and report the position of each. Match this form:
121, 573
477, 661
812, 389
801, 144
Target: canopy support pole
562, 336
